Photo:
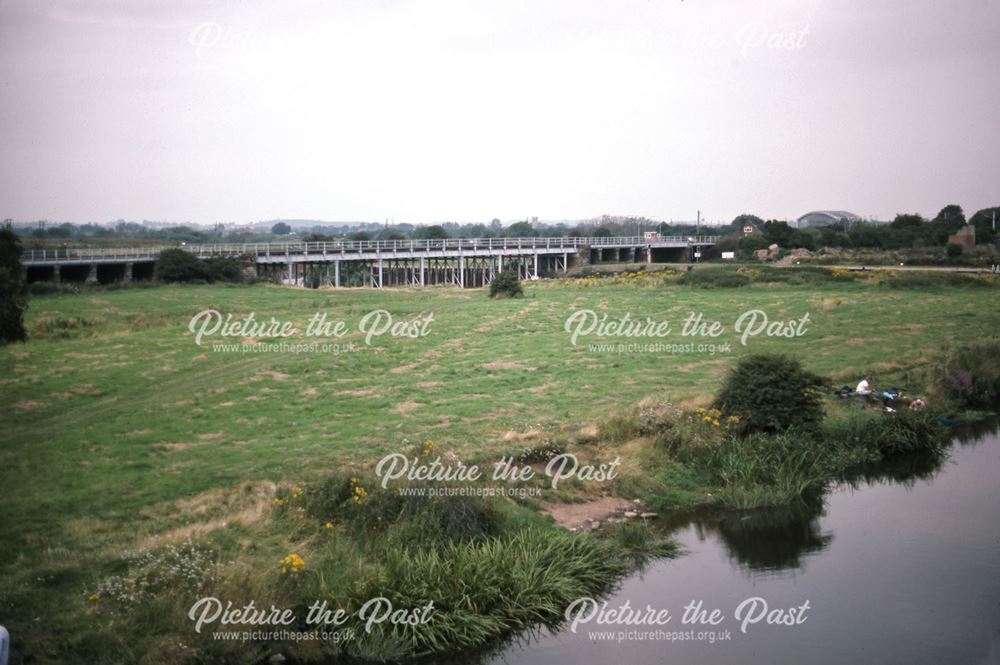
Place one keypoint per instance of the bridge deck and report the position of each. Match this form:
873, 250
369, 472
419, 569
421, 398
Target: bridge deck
360, 250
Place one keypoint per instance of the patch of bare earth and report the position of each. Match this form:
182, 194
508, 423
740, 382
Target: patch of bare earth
277, 376
244, 505
585, 515
502, 364
367, 392
528, 435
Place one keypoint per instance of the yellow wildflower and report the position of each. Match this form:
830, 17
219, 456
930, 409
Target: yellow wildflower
292, 563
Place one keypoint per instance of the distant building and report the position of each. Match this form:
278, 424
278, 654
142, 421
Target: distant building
818, 218
966, 236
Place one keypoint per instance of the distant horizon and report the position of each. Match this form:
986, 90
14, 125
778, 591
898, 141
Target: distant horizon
301, 222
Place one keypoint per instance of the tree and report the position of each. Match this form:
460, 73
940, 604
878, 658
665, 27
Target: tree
740, 220
281, 229
951, 213
948, 221
520, 230
602, 232
906, 220
13, 301
983, 221
434, 232
752, 243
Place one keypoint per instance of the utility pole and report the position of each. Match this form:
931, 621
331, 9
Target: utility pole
697, 225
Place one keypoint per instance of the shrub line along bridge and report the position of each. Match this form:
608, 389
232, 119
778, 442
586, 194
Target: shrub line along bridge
463, 262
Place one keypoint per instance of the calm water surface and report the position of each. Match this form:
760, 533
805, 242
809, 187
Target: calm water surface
902, 566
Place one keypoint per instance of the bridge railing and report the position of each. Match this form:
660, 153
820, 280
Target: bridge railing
356, 246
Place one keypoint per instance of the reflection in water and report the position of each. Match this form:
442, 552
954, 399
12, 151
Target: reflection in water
883, 570
765, 540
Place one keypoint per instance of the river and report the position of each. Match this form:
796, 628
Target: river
901, 565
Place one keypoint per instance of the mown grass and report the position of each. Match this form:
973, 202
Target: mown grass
121, 435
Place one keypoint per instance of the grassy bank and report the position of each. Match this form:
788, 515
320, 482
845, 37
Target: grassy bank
143, 469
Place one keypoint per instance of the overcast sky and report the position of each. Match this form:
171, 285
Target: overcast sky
458, 110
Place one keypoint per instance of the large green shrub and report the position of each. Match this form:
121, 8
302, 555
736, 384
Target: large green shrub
12, 292
178, 265
506, 285
771, 393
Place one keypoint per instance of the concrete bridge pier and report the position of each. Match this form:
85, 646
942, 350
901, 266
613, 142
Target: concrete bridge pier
128, 271
91, 274
56, 273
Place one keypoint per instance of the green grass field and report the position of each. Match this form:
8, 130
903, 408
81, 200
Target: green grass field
118, 432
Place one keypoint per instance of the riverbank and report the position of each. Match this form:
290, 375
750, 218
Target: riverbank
143, 470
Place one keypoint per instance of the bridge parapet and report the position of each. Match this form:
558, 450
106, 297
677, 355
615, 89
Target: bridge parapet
456, 246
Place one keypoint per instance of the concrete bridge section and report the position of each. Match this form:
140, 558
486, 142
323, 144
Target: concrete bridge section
462, 262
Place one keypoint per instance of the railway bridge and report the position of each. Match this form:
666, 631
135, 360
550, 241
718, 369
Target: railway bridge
465, 262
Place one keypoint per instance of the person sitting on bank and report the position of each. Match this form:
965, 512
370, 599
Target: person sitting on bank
864, 389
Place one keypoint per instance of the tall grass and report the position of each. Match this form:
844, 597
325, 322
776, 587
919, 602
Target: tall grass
485, 590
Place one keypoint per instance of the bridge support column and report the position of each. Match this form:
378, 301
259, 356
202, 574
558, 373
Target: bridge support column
565, 263
91, 274
291, 275
631, 254
461, 271
128, 271
600, 255
536, 265
500, 263
423, 266
336, 273
380, 272
55, 273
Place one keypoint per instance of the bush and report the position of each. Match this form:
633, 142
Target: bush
223, 269
771, 393
953, 250
402, 520
969, 375
178, 265
506, 285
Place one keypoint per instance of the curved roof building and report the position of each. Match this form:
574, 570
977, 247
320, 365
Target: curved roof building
826, 218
